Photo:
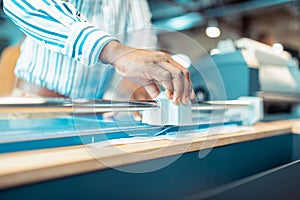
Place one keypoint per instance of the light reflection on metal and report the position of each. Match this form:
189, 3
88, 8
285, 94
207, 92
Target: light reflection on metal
60, 105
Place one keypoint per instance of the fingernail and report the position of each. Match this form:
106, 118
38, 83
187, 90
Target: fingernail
175, 100
183, 101
187, 100
137, 118
170, 96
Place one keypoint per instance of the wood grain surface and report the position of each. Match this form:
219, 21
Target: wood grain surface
39, 165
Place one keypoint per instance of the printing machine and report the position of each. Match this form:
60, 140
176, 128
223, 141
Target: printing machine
251, 68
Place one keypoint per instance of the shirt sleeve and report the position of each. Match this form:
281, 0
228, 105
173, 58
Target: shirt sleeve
58, 26
142, 33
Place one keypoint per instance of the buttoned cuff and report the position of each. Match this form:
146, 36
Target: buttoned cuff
86, 42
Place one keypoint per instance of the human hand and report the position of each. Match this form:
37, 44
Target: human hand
149, 68
130, 91
139, 93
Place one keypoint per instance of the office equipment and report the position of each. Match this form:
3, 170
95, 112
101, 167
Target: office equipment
225, 76
278, 72
279, 78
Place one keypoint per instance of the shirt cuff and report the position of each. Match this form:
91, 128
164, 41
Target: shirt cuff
86, 42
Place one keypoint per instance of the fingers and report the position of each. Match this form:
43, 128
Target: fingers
188, 92
152, 89
169, 93
163, 77
147, 66
179, 85
174, 78
188, 87
192, 95
182, 91
137, 116
109, 115
139, 94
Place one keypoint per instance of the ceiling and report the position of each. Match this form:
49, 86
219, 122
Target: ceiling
212, 8
202, 10
164, 10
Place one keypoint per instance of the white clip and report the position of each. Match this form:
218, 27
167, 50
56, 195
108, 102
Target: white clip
249, 114
168, 113
254, 112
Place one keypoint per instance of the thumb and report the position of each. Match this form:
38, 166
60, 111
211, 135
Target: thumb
152, 89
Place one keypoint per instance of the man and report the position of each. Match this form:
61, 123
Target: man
266, 38
69, 42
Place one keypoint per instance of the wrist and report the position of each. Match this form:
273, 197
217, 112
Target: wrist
112, 51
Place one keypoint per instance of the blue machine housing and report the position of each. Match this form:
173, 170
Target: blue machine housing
238, 78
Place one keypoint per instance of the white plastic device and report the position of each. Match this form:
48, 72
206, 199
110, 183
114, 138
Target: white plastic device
168, 113
181, 115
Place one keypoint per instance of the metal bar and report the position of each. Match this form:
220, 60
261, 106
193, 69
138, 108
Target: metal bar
61, 105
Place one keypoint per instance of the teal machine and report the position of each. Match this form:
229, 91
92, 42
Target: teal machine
238, 78
251, 68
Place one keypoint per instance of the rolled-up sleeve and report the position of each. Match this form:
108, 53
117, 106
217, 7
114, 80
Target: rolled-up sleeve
58, 26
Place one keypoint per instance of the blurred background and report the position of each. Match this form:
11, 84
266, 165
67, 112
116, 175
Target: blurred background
232, 18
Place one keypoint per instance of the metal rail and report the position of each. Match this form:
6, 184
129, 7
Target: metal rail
62, 105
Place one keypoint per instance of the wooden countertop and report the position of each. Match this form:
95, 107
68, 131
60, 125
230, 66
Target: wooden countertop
39, 165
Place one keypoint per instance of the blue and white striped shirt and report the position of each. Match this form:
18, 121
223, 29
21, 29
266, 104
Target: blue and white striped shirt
65, 38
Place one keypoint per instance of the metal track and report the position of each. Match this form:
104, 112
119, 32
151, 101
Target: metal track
62, 105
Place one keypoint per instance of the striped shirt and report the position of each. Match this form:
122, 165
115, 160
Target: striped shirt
65, 38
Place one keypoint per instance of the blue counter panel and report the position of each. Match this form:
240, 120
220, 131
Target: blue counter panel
186, 178
39, 133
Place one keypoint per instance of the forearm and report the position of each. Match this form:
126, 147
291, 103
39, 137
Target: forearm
57, 25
